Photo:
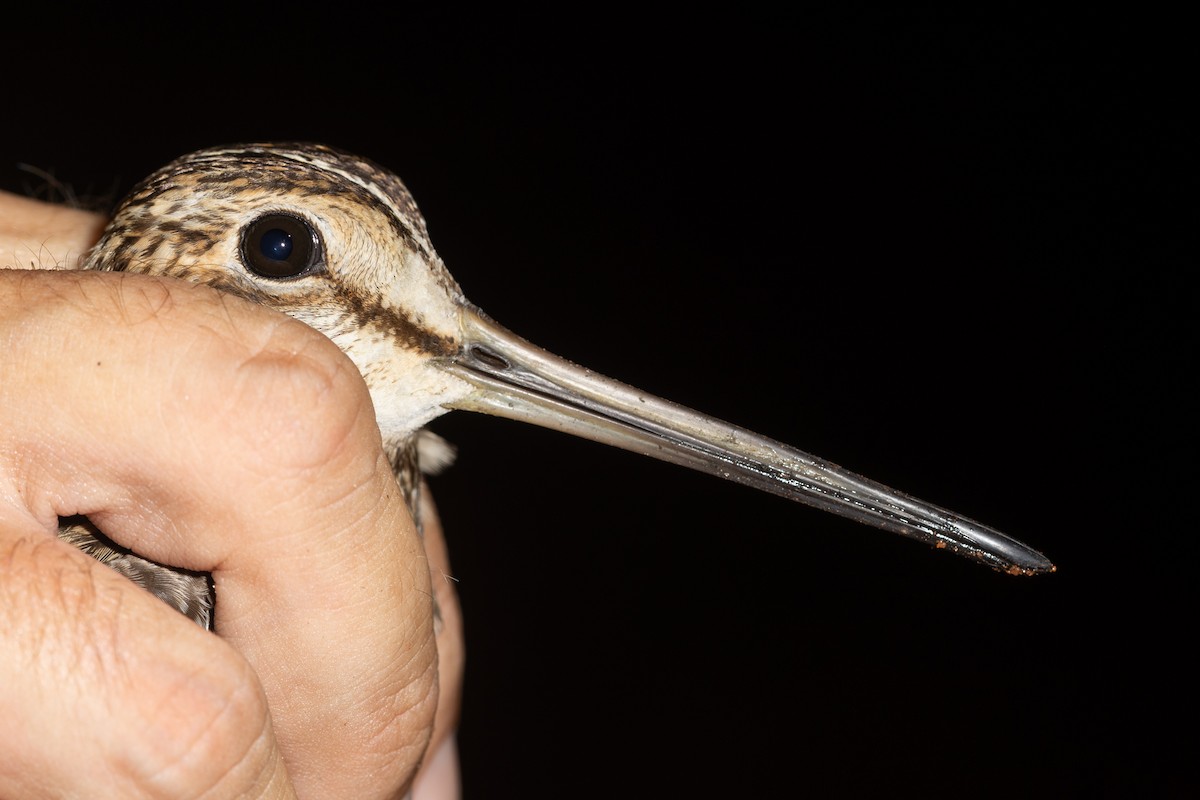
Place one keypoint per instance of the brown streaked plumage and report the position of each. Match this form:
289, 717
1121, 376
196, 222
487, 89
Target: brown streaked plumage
337, 242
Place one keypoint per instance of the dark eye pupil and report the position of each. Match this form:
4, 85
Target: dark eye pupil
276, 244
280, 246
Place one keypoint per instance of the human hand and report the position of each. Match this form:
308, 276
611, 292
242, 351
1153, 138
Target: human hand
211, 434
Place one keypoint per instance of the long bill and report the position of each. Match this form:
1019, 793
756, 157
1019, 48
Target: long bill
518, 380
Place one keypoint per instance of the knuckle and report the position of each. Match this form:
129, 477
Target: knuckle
304, 400
196, 729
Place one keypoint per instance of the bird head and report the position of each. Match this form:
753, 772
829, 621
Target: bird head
324, 236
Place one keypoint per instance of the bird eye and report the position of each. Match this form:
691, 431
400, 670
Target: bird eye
280, 246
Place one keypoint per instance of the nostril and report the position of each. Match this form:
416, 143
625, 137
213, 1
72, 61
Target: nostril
488, 359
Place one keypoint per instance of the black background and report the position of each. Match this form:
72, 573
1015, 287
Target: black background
952, 253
